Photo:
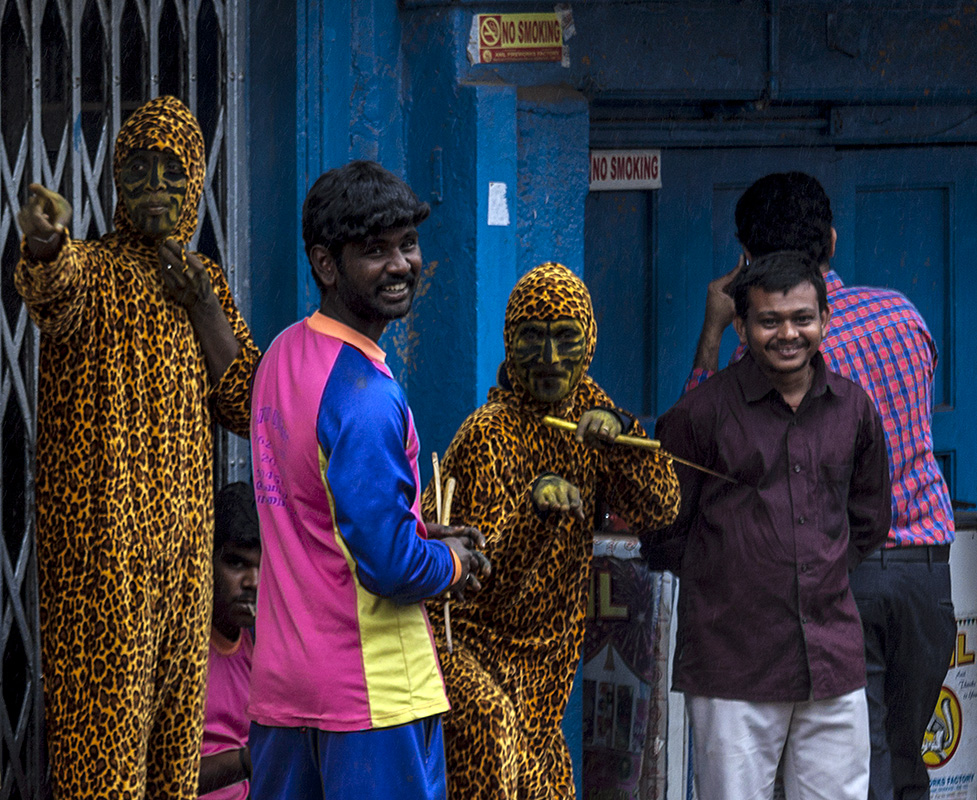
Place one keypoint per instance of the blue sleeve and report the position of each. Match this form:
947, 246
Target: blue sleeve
362, 429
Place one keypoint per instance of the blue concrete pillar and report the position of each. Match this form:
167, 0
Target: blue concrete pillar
496, 213
554, 134
508, 182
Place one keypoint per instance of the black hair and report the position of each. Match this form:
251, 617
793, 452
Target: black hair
236, 517
785, 211
354, 201
777, 272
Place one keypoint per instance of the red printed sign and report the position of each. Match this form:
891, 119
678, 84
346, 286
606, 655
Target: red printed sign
623, 170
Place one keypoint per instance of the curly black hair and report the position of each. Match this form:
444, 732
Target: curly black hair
785, 211
777, 272
354, 201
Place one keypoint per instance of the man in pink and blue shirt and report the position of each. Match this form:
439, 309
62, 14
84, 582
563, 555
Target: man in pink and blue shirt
346, 688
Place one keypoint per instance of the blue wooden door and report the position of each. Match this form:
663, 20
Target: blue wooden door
906, 219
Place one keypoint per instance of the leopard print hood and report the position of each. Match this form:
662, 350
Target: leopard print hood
164, 123
547, 292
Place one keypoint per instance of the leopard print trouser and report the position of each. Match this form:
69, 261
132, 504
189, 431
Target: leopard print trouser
125, 656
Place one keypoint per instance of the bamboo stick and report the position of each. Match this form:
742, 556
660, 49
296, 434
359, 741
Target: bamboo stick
640, 442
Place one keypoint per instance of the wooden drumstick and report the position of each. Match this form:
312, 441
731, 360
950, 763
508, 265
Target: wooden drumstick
633, 441
449, 494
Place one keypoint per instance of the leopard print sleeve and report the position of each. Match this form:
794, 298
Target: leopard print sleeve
54, 291
640, 486
231, 396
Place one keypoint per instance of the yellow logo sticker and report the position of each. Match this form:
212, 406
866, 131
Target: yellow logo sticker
943, 733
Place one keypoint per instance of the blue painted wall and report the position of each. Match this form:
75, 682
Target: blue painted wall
553, 134
332, 80
347, 96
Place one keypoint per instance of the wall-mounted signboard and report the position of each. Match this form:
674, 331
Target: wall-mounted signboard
624, 170
507, 38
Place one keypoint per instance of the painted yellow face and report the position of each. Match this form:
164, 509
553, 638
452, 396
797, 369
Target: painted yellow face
153, 186
548, 357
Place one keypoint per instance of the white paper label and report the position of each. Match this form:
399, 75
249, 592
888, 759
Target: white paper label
498, 206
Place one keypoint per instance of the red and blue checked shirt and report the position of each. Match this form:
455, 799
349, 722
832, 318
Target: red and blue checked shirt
878, 339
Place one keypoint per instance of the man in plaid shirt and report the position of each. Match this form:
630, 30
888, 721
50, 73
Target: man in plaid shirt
878, 339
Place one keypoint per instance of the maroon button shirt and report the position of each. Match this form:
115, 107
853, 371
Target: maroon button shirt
765, 610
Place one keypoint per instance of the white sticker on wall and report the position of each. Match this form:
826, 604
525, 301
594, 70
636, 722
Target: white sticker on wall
498, 206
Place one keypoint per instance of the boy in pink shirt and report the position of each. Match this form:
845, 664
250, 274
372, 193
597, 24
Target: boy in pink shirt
225, 766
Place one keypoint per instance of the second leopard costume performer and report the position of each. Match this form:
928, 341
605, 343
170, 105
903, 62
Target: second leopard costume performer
516, 644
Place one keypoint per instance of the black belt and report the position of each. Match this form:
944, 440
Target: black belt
926, 553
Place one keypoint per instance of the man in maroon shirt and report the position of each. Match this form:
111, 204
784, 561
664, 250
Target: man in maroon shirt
769, 649
879, 340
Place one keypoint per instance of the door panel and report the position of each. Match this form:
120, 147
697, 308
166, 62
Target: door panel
906, 219
617, 257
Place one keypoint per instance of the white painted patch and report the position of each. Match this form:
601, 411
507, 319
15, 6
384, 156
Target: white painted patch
498, 205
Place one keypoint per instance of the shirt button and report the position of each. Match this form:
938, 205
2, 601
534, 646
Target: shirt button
803, 620
801, 519
797, 467
804, 568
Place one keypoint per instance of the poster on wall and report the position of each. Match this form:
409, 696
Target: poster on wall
625, 691
950, 742
513, 38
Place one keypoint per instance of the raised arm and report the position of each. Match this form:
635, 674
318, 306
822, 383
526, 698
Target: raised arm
198, 284
188, 284
51, 273
639, 485
719, 316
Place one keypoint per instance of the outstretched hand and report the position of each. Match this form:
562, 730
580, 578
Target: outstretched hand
471, 536
185, 277
42, 220
553, 493
598, 425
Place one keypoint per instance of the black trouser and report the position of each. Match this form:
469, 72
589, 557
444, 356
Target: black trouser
903, 597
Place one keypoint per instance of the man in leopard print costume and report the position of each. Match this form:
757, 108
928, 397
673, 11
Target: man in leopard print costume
141, 346
533, 491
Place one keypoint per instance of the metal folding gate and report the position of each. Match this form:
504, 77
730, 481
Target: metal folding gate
70, 72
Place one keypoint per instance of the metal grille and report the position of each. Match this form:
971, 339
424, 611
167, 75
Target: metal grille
71, 71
